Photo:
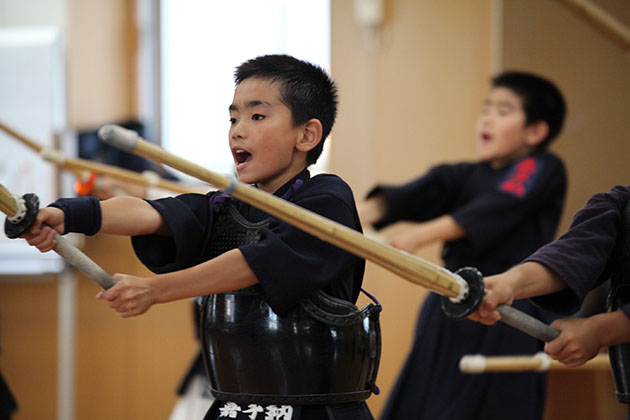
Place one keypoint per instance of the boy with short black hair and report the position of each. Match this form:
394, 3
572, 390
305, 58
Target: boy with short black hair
540, 100
491, 214
281, 336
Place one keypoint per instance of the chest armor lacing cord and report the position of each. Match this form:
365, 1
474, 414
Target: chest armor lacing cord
325, 350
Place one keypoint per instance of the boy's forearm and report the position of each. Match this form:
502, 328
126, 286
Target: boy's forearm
130, 216
227, 272
612, 328
532, 279
443, 228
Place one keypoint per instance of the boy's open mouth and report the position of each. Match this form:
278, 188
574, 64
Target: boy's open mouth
242, 156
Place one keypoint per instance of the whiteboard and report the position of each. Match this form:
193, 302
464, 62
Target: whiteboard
32, 102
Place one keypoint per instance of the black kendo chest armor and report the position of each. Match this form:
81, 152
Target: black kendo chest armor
619, 296
325, 350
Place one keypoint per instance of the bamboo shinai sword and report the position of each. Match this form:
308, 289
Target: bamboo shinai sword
79, 167
21, 213
539, 362
462, 291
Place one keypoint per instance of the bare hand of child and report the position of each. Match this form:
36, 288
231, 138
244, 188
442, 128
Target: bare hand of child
577, 343
42, 237
131, 296
371, 211
497, 292
406, 240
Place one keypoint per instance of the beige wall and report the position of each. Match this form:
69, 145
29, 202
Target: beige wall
431, 60
101, 62
28, 343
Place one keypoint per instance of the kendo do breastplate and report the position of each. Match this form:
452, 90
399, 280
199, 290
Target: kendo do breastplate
325, 350
619, 296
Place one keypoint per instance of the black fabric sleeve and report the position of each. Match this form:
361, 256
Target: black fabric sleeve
81, 214
189, 218
530, 184
288, 263
291, 264
423, 199
580, 256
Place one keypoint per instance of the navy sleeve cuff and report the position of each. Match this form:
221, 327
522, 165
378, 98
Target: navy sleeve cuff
81, 215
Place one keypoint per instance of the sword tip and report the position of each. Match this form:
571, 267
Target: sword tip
119, 137
472, 363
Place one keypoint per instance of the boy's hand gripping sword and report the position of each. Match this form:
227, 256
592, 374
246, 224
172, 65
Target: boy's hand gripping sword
462, 291
21, 213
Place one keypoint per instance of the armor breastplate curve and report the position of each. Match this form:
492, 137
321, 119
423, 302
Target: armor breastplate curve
325, 350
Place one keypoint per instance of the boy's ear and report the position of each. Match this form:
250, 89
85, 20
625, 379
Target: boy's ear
536, 132
311, 135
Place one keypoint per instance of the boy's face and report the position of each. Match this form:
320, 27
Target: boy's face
502, 135
262, 136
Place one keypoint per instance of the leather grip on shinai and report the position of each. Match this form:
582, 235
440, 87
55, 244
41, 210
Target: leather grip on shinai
526, 323
82, 262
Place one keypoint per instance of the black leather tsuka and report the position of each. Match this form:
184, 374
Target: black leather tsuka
81, 214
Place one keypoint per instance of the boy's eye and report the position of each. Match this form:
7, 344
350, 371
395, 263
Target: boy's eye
232, 121
257, 117
504, 110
